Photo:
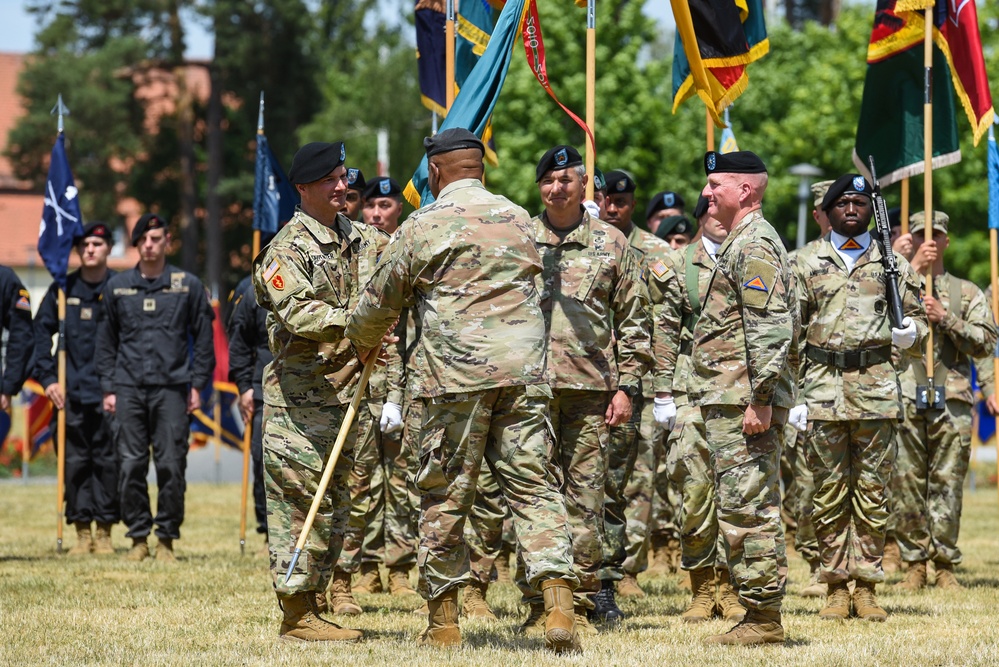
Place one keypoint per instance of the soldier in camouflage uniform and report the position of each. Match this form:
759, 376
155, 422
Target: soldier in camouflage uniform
744, 366
307, 278
631, 455
850, 393
596, 312
467, 264
688, 466
934, 444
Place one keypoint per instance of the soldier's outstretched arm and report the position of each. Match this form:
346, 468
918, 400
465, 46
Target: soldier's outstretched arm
768, 306
387, 293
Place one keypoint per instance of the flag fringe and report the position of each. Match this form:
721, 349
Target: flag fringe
909, 170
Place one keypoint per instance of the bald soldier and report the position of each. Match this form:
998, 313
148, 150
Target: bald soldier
307, 278
745, 362
481, 377
849, 393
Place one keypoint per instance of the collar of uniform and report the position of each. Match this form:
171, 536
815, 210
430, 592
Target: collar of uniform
341, 230
459, 185
739, 228
162, 279
828, 251
701, 255
545, 234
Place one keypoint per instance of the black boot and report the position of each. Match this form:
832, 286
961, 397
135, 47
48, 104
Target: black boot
605, 609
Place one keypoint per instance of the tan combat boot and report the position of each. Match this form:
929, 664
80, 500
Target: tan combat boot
837, 603
442, 629
891, 561
945, 576
398, 581
674, 554
815, 588
583, 626
303, 623
502, 566
534, 625
915, 577
702, 605
164, 551
759, 627
370, 581
84, 540
341, 599
865, 604
660, 558
728, 604
628, 587
102, 541
560, 617
139, 550
474, 604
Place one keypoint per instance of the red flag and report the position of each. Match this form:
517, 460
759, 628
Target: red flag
221, 345
957, 36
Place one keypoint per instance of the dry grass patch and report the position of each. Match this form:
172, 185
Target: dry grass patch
216, 607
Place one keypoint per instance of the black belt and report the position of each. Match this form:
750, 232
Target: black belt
849, 359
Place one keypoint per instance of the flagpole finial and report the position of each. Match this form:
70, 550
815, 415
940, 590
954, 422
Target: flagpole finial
260, 115
60, 110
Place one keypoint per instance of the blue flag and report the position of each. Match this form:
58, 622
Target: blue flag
475, 101
61, 219
993, 181
274, 197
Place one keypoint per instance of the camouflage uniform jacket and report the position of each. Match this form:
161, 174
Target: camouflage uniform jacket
408, 333
469, 266
968, 331
659, 262
745, 341
308, 278
596, 307
681, 372
848, 311
984, 366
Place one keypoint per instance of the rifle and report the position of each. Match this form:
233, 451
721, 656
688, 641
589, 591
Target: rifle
887, 256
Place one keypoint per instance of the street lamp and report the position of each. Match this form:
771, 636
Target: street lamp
803, 172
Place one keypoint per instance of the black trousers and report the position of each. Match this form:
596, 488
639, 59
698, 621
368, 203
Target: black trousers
157, 417
257, 456
91, 465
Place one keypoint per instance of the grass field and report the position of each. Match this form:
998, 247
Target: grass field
216, 608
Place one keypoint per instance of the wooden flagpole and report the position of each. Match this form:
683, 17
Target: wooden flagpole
591, 87
61, 111
928, 182
905, 205
449, 37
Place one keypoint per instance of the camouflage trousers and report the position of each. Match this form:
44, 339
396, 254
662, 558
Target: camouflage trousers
507, 429
297, 444
384, 513
484, 530
789, 490
639, 491
622, 451
934, 450
805, 542
666, 496
747, 499
689, 470
851, 463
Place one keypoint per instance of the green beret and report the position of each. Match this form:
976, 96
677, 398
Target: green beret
599, 182
676, 224
315, 160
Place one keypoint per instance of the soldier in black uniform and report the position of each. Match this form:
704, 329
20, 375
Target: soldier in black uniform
91, 464
154, 315
15, 309
248, 354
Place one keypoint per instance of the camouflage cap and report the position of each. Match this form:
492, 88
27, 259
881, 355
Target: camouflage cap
819, 191
917, 222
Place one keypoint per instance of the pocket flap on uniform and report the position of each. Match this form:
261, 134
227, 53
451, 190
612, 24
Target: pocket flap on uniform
733, 455
759, 546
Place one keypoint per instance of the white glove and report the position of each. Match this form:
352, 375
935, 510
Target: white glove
798, 417
904, 338
592, 207
664, 412
391, 418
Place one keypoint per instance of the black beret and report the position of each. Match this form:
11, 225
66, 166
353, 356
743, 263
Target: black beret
701, 207
315, 160
355, 179
98, 229
599, 182
453, 139
619, 181
663, 200
739, 162
145, 223
559, 157
382, 186
847, 184
676, 224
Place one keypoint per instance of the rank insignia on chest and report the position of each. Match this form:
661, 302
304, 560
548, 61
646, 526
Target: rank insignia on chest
756, 284
659, 268
278, 282
149, 305
86, 313
851, 244
176, 280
